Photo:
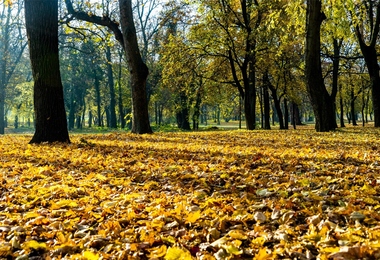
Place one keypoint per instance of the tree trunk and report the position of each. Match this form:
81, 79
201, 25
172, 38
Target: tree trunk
296, 114
90, 118
276, 101
137, 68
197, 109
286, 114
321, 101
98, 100
42, 30
111, 86
120, 101
72, 108
334, 89
261, 100
352, 106
370, 57
250, 98
3, 67
183, 114
266, 108
341, 104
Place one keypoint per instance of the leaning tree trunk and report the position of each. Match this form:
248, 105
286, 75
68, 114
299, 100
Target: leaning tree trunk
137, 68
42, 30
321, 101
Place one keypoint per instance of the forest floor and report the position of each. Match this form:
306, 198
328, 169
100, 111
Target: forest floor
293, 194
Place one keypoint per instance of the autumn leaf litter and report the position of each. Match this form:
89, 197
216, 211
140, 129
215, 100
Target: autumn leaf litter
204, 195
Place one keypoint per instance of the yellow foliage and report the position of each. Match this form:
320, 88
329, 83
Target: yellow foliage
176, 253
163, 195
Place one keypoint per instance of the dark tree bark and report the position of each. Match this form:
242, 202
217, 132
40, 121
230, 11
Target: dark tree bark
3, 67
111, 86
336, 59
246, 64
98, 99
370, 57
321, 101
72, 108
286, 114
341, 105
197, 109
90, 118
276, 100
352, 106
183, 113
137, 68
266, 108
120, 100
296, 115
42, 30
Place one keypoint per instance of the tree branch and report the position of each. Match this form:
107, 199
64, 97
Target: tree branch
104, 21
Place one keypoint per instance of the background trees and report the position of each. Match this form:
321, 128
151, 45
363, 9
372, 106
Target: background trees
208, 61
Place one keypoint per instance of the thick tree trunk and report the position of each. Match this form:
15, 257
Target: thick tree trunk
183, 113
321, 101
111, 86
42, 30
370, 56
137, 68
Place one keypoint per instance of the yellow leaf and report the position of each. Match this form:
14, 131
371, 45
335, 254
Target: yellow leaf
331, 249
64, 204
262, 255
31, 215
157, 252
100, 177
176, 253
90, 255
193, 216
33, 244
233, 249
237, 234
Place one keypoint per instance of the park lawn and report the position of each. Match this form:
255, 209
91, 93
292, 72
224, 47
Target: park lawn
293, 194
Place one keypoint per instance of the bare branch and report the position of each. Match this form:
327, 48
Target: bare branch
104, 21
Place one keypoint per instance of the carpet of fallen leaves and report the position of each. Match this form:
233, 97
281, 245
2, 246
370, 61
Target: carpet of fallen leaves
293, 194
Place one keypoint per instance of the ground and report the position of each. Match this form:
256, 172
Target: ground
293, 194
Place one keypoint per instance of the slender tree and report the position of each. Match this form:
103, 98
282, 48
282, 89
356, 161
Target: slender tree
42, 29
